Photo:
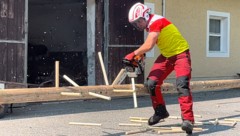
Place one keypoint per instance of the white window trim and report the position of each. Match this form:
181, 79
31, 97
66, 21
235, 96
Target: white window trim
225, 19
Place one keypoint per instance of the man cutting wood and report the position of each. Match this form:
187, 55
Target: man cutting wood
175, 56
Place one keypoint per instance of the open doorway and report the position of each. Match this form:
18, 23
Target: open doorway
57, 31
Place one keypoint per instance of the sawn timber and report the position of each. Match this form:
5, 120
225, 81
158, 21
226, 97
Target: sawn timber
23, 95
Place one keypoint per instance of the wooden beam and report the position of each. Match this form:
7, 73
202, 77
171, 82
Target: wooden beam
211, 85
140, 130
130, 124
137, 120
134, 93
99, 96
23, 95
84, 124
70, 81
124, 91
208, 85
103, 68
120, 77
90, 93
71, 94
56, 73
233, 119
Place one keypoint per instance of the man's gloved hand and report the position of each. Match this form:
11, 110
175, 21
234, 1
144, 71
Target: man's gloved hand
130, 56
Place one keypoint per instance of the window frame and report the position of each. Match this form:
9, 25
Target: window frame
224, 18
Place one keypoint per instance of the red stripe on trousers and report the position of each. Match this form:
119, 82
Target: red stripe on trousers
161, 68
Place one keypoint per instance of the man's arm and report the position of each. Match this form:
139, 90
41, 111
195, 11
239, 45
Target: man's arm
148, 44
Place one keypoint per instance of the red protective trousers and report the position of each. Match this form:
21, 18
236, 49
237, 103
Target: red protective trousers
162, 67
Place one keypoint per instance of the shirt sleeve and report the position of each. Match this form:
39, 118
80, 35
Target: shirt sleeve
156, 26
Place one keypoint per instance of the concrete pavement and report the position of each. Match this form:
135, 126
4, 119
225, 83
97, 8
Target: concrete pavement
51, 119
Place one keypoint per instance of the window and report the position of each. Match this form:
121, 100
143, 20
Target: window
218, 34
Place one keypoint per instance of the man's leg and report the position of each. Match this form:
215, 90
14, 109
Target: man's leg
160, 70
183, 76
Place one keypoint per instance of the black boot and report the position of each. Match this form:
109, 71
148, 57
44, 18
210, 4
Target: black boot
160, 113
187, 126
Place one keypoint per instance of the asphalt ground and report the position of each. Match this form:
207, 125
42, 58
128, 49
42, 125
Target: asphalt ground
52, 119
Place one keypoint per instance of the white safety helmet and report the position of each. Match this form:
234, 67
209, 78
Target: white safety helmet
137, 11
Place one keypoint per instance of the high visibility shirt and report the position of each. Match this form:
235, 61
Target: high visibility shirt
170, 41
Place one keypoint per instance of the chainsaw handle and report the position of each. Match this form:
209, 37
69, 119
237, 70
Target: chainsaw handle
135, 58
126, 62
132, 63
138, 57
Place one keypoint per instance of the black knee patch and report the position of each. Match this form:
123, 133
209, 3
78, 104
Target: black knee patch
183, 86
151, 85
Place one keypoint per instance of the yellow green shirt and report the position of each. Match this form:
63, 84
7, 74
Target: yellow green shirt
170, 41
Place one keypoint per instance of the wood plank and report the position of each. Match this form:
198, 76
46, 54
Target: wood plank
233, 119
3, 60
4, 20
13, 84
15, 65
20, 63
85, 124
20, 21
54, 94
12, 29
12, 62
13, 13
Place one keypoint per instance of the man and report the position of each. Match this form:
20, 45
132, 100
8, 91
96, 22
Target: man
174, 55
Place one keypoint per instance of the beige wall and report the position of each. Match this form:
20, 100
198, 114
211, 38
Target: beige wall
191, 19
158, 5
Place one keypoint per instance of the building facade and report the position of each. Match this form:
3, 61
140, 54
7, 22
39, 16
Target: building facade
211, 29
35, 33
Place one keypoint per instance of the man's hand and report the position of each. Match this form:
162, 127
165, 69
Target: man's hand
130, 56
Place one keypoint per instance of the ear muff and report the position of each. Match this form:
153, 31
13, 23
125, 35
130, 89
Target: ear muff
146, 16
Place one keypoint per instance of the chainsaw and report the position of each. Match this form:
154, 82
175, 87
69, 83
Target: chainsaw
135, 66
132, 68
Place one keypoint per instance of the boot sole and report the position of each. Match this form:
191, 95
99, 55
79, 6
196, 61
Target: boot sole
153, 123
187, 129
